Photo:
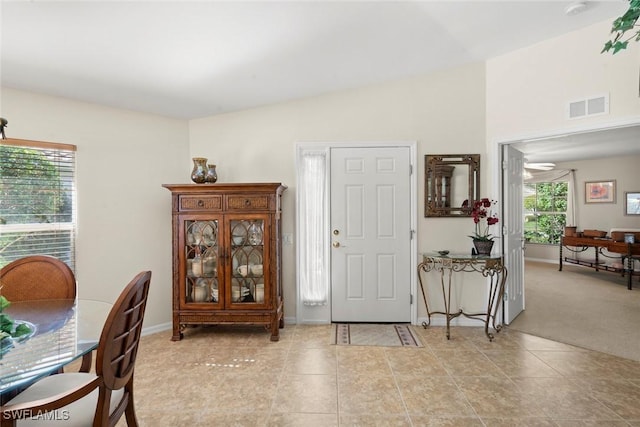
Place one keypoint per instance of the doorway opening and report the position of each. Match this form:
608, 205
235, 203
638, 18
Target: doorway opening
595, 142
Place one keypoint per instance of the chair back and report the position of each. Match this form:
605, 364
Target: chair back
37, 277
118, 347
98, 399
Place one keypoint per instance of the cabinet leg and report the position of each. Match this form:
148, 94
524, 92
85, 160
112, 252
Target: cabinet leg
275, 332
276, 324
177, 332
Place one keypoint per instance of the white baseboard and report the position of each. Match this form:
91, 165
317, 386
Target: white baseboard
167, 326
309, 321
436, 320
156, 328
545, 260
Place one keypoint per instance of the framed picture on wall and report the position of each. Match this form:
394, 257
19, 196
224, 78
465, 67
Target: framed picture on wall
600, 191
632, 203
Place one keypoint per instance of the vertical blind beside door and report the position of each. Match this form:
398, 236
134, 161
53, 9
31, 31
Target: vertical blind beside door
313, 254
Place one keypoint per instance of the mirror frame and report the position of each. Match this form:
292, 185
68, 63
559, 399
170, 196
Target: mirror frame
434, 161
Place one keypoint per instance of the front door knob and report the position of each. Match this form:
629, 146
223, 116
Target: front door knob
336, 244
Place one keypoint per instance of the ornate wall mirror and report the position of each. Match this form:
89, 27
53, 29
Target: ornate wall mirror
450, 179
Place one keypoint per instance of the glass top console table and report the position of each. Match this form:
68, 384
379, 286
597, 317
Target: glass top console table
491, 267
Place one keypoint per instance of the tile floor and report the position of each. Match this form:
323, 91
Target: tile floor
235, 376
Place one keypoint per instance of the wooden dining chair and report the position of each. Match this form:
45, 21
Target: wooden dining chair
84, 399
37, 277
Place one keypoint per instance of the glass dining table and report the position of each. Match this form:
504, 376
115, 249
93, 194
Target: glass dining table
63, 331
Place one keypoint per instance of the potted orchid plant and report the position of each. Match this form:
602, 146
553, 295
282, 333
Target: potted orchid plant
483, 218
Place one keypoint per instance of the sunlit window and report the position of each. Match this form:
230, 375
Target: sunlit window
37, 200
545, 207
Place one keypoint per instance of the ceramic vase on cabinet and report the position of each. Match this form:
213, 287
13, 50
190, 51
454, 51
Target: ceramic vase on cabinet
211, 176
199, 171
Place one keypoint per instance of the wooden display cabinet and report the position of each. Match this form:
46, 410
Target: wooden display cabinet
442, 182
227, 255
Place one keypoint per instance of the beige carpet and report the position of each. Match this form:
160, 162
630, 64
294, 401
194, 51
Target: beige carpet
582, 307
382, 335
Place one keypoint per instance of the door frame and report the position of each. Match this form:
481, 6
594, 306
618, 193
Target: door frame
322, 314
495, 150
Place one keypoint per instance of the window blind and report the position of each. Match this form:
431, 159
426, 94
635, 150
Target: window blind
37, 200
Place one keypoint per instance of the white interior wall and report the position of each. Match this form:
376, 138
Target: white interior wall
528, 90
443, 111
605, 216
125, 157
124, 215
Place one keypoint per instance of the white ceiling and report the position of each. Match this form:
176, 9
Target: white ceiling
191, 59
617, 141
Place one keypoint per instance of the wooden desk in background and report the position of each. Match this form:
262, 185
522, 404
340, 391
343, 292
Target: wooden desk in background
627, 251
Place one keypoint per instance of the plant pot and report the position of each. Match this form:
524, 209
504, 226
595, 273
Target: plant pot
483, 247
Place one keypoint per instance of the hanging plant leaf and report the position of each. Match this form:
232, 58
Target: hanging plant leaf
626, 22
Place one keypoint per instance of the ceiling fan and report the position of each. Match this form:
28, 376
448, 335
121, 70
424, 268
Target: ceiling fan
540, 166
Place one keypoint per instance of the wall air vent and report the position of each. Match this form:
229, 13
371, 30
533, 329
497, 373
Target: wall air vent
588, 107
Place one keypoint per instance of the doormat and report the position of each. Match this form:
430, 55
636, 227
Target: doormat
382, 335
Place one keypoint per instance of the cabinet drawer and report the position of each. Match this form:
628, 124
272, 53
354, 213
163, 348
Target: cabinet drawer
249, 202
200, 203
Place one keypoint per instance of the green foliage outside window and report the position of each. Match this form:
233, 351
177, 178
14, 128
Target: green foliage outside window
31, 190
545, 206
35, 189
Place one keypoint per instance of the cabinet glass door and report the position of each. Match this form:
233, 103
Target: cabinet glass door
201, 255
247, 255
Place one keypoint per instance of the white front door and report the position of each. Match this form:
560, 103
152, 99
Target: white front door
513, 161
370, 234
